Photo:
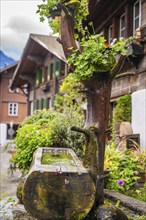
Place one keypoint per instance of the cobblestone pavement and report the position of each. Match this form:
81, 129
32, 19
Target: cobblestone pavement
8, 186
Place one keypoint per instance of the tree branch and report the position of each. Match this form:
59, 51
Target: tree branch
67, 34
117, 68
84, 131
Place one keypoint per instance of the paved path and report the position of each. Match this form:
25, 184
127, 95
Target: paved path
8, 186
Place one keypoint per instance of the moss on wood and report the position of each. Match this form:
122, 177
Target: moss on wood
57, 159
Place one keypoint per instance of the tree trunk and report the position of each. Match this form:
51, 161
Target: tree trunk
98, 91
98, 99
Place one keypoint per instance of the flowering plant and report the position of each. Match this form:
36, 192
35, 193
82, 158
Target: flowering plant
125, 168
96, 57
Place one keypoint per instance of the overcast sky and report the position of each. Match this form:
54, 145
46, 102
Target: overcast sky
18, 20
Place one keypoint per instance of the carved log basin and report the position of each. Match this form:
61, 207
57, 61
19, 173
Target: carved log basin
58, 186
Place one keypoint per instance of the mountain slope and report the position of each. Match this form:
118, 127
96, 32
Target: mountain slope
5, 60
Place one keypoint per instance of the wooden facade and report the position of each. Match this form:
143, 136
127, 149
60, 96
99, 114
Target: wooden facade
42, 68
13, 105
123, 19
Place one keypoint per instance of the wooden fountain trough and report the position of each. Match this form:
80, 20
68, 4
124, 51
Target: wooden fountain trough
57, 186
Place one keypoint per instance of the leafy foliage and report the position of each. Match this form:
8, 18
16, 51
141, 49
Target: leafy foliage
47, 128
122, 111
96, 56
76, 8
139, 193
69, 93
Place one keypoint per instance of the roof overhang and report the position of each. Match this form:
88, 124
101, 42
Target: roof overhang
33, 56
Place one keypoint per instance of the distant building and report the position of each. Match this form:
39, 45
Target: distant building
41, 70
13, 105
122, 19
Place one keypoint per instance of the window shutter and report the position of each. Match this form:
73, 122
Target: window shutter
43, 75
48, 73
45, 103
37, 77
34, 105
40, 104
56, 70
51, 101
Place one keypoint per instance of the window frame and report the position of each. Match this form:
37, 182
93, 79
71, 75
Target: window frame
139, 16
14, 110
121, 29
110, 34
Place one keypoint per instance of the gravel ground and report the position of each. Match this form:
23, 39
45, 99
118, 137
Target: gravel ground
8, 186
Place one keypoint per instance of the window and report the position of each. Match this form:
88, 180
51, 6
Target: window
37, 78
51, 104
34, 105
137, 16
122, 26
62, 71
45, 104
43, 74
40, 104
13, 109
51, 71
56, 69
110, 34
48, 73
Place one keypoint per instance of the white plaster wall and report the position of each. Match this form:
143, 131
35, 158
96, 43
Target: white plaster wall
3, 132
139, 115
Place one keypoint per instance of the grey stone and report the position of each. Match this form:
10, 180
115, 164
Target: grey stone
133, 204
19, 213
110, 212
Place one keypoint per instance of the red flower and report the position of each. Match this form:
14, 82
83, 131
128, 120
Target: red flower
106, 44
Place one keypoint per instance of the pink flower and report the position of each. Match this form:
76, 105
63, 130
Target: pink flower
142, 162
136, 172
136, 153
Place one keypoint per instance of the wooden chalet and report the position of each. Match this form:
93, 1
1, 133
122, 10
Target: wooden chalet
40, 71
13, 105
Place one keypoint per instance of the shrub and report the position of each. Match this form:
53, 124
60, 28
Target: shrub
47, 128
122, 111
